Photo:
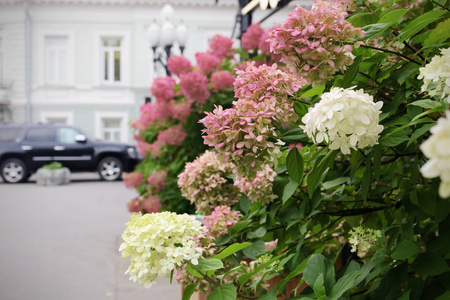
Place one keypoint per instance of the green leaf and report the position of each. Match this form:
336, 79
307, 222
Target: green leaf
350, 75
427, 103
188, 291
244, 278
429, 264
405, 250
245, 204
223, 292
258, 233
289, 190
419, 23
208, 264
375, 30
419, 132
335, 182
367, 179
300, 109
294, 164
393, 16
316, 174
256, 249
318, 90
344, 284
439, 34
362, 19
232, 249
319, 265
319, 288
193, 272
394, 139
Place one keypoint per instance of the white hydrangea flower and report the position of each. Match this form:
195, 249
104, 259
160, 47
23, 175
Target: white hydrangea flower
361, 239
436, 75
158, 243
345, 119
437, 149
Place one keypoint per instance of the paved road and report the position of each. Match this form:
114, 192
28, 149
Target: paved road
61, 243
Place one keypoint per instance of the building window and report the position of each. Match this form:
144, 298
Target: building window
111, 60
56, 49
111, 129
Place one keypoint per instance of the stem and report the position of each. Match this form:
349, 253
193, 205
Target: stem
354, 212
392, 52
325, 228
440, 5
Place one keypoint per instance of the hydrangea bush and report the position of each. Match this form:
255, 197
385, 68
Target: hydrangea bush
361, 209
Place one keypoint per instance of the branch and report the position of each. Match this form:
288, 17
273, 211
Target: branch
392, 52
440, 5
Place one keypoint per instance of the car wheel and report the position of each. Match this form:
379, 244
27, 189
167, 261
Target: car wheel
110, 168
13, 170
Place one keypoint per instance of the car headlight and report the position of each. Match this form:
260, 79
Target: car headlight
132, 153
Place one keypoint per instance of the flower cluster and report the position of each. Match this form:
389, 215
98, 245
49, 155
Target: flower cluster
180, 110
159, 242
266, 88
341, 6
151, 204
219, 221
155, 149
173, 135
241, 137
436, 75
162, 88
132, 179
221, 80
134, 205
314, 44
156, 179
195, 87
221, 46
207, 62
345, 119
203, 182
437, 149
251, 38
178, 65
152, 113
259, 188
361, 239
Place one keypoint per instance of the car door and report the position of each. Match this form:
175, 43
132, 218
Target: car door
37, 145
73, 149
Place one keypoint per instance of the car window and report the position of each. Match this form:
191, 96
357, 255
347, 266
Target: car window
39, 134
9, 134
66, 135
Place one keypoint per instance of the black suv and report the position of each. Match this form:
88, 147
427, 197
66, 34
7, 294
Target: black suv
26, 148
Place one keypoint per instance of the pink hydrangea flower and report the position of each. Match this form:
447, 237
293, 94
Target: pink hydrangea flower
151, 113
221, 80
266, 88
207, 62
203, 182
314, 44
173, 135
340, 6
259, 188
195, 87
162, 88
221, 46
220, 220
132, 179
178, 65
134, 205
180, 110
271, 245
151, 204
156, 179
155, 149
242, 137
250, 39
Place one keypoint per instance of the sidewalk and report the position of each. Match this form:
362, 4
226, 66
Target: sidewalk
61, 243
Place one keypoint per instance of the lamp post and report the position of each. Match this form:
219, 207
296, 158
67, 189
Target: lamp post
162, 38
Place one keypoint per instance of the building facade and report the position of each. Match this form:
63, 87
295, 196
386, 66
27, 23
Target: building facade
88, 63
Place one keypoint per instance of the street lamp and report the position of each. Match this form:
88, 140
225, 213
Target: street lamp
162, 38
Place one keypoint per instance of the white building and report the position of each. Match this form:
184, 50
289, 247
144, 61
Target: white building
88, 62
